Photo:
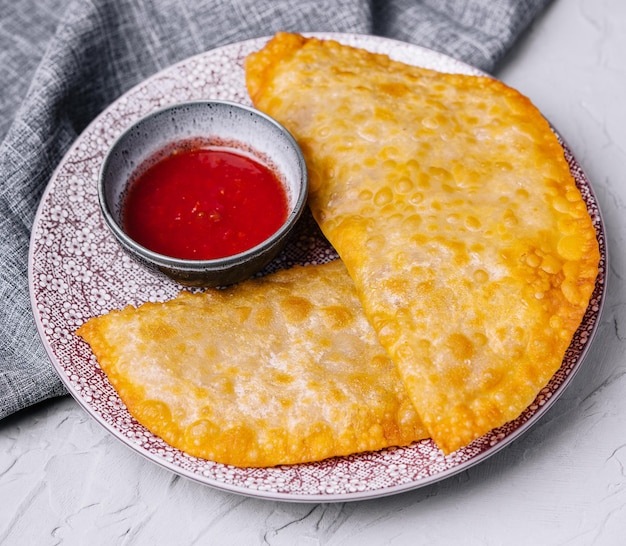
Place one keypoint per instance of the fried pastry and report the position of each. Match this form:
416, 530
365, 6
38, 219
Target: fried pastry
449, 200
278, 370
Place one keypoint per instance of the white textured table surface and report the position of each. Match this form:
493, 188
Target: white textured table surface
65, 480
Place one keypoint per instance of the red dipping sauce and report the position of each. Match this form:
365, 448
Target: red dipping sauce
204, 203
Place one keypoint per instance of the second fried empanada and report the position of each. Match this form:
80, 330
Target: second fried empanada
279, 370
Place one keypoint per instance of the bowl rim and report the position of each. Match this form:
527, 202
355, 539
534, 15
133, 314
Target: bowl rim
214, 263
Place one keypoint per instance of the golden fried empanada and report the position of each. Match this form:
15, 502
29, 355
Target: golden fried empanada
449, 200
279, 370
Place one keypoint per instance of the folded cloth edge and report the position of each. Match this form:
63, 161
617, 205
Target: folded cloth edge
56, 108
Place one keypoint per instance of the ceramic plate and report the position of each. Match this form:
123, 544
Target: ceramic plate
77, 270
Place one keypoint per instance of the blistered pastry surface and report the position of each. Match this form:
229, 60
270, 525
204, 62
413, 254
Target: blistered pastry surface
449, 198
278, 370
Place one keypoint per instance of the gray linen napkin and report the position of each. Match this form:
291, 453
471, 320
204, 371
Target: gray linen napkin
62, 62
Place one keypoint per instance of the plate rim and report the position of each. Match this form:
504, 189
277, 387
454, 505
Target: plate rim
289, 496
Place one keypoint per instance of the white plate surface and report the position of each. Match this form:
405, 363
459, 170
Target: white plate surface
77, 270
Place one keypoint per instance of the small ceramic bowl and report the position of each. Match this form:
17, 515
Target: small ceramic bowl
219, 123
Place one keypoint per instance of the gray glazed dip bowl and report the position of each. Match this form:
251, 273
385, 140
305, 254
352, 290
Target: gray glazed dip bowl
214, 123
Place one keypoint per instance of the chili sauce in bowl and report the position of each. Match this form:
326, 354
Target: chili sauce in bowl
205, 192
204, 203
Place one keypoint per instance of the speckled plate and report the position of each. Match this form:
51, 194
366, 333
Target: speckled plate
77, 270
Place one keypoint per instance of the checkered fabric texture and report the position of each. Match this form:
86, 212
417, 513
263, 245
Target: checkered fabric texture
64, 61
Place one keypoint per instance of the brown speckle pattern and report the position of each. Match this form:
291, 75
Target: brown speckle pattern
77, 270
